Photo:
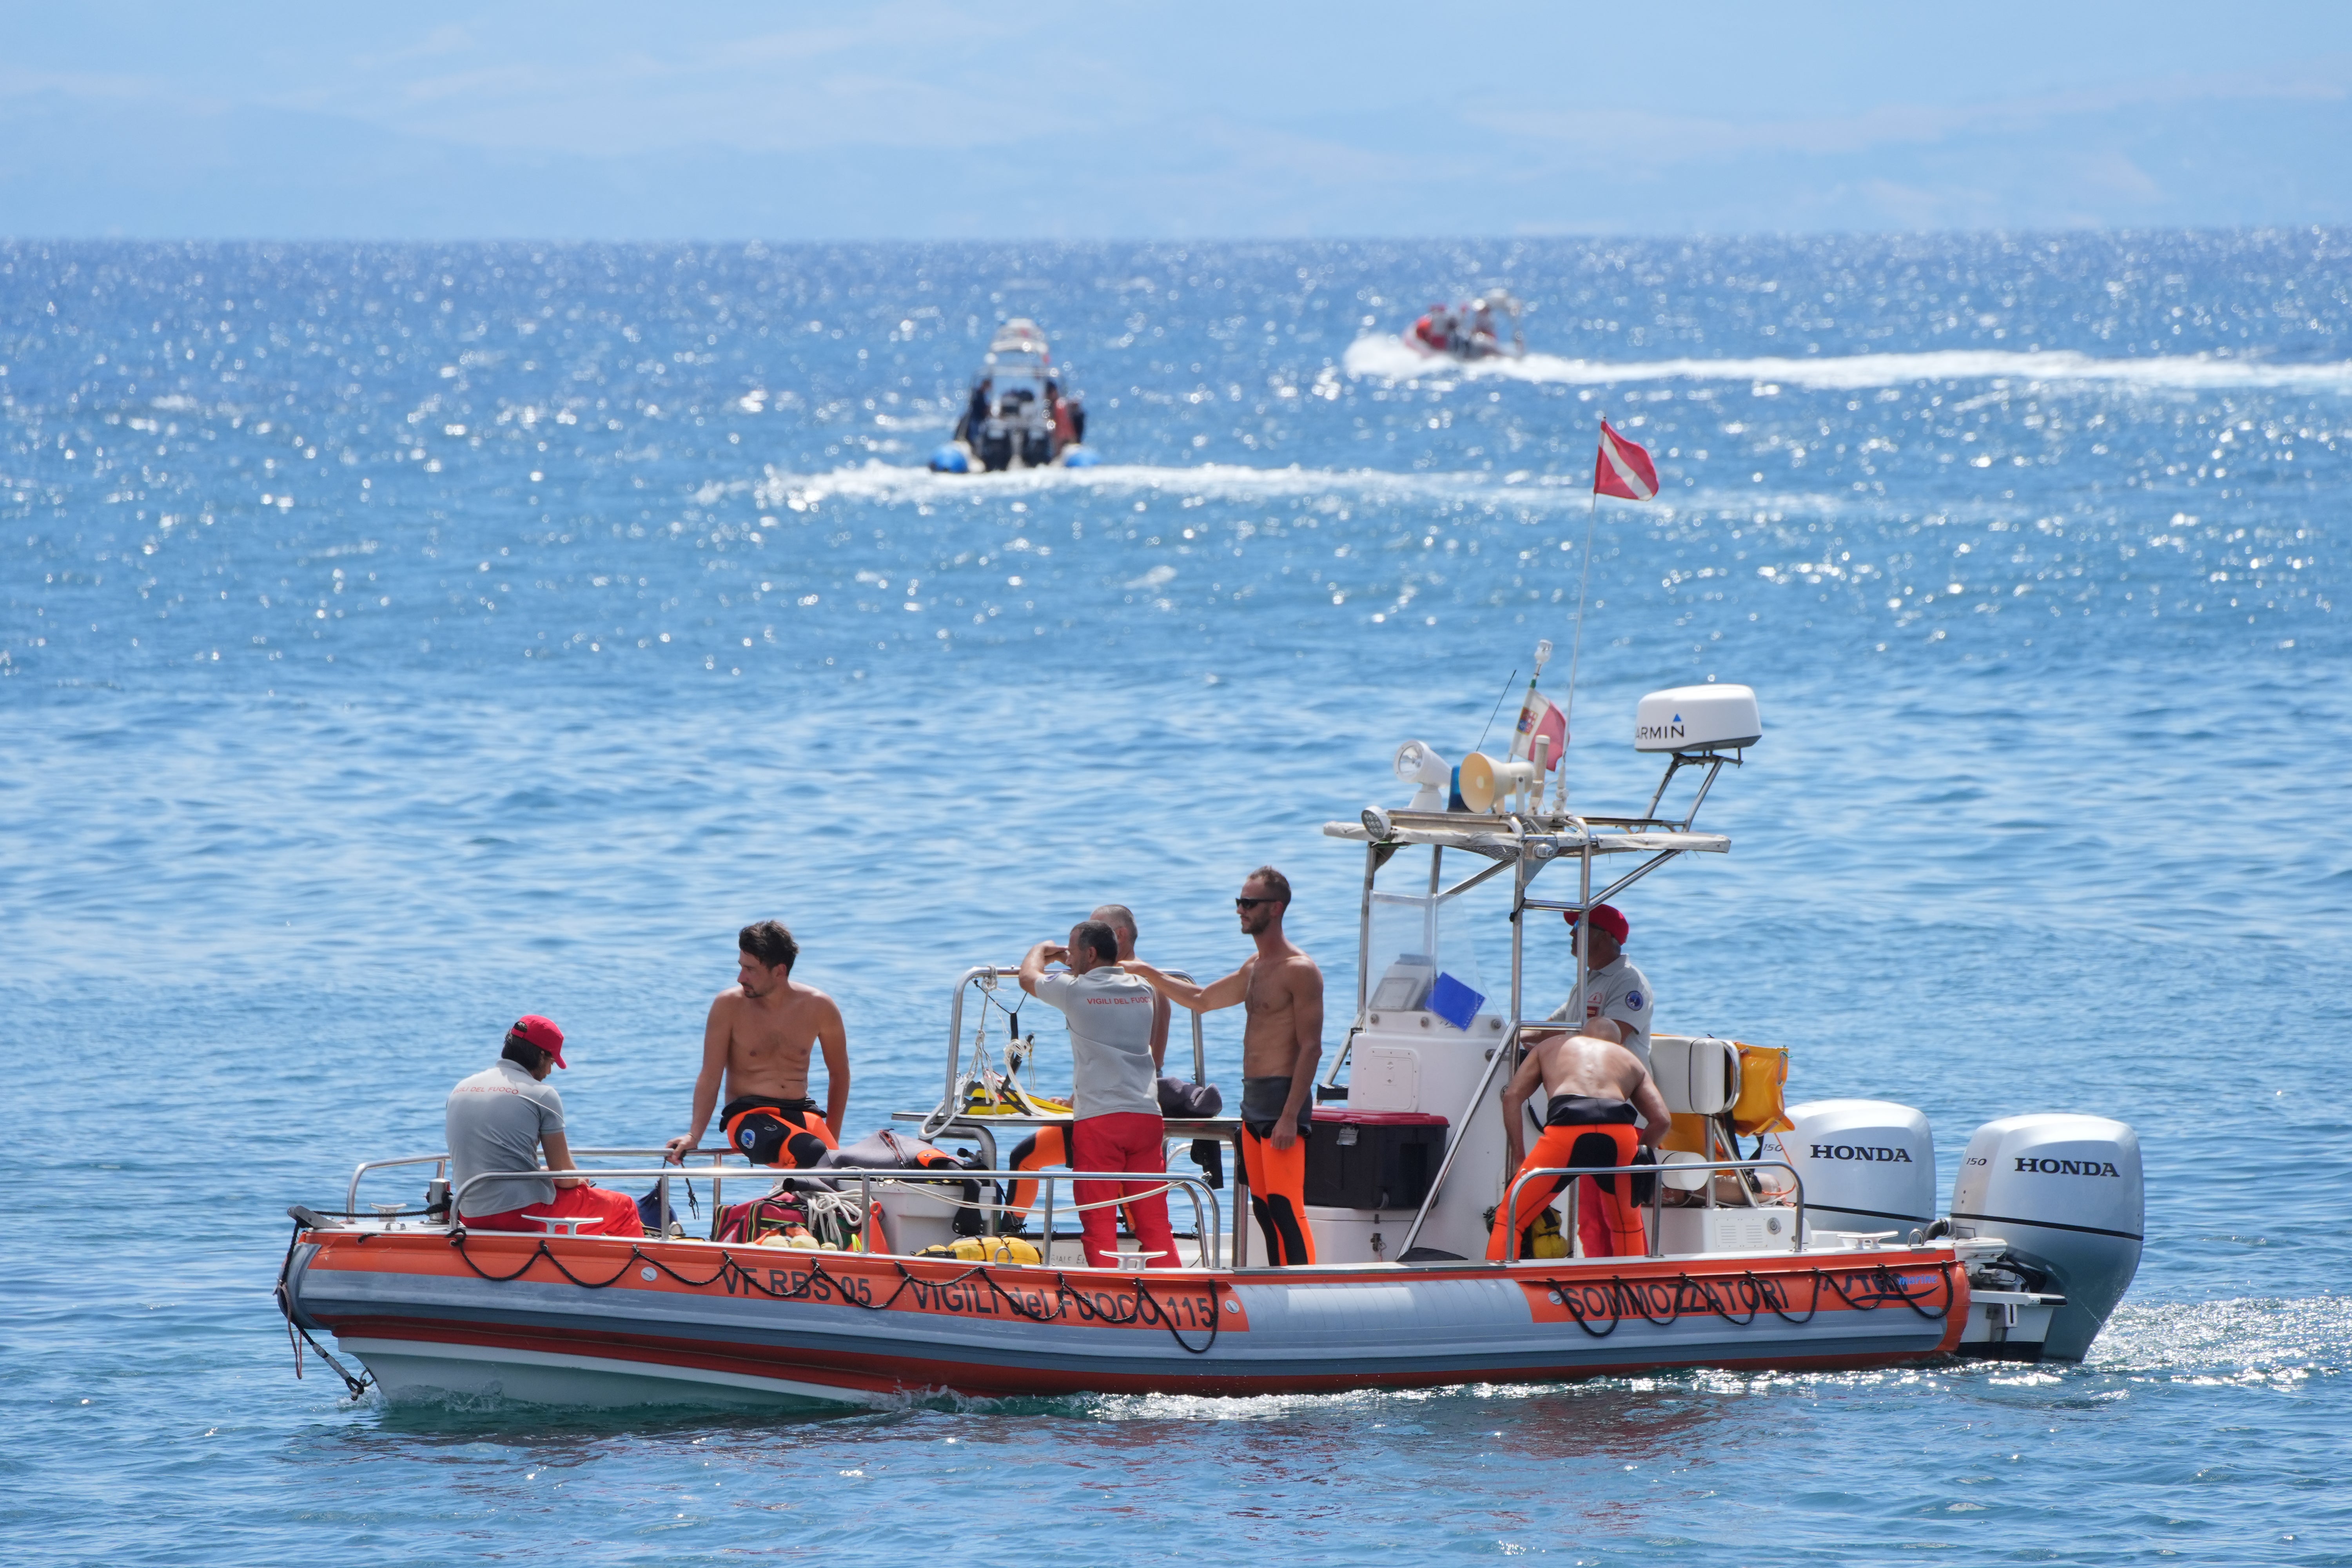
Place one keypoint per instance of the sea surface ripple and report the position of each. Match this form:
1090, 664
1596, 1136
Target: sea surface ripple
396, 639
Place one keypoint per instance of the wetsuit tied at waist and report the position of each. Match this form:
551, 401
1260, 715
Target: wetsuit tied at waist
790, 1134
1581, 1130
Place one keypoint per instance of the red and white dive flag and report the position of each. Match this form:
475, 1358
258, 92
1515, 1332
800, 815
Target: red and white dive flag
1622, 468
1539, 716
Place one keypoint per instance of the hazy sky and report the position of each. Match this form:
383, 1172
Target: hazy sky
1144, 119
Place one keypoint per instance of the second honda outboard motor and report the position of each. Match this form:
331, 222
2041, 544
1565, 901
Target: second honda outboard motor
1867, 1166
2064, 1192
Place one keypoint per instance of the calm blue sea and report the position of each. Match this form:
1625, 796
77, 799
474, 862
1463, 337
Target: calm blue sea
394, 640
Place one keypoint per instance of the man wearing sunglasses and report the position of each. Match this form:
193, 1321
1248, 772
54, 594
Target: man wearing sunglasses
1281, 992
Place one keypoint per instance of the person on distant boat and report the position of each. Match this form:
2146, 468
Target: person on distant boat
976, 409
1282, 1040
1050, 1145
1114, 1094
499, 1119
759, 1039
1618, 1001
1597, 1089
1482, 330
1068, 419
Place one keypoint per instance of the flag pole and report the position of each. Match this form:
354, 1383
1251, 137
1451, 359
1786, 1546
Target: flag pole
1576, 647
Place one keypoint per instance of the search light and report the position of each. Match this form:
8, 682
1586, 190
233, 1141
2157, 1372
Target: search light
1417, 762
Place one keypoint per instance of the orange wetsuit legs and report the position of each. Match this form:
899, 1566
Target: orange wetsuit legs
1278, 1184
1607, 1220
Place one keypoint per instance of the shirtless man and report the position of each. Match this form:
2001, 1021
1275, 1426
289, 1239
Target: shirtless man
759, 1039
1282, 1040
1596, 1086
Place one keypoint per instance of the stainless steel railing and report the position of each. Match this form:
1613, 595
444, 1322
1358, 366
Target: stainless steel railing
1510, 1208
1208, 1219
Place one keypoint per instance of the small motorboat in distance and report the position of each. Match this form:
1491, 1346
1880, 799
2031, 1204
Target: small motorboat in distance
1472, 329
1019, 415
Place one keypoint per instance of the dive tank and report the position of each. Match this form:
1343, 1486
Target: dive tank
1867, 1166
2064, 1193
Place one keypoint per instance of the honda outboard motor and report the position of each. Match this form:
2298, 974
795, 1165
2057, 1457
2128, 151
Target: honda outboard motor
2064, 1193
1867, 1166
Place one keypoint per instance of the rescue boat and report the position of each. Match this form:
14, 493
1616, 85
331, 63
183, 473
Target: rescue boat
1018, 414
1821, 1248
1471, 329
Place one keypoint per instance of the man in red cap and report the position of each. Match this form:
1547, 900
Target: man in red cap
1617, 1003
499, 1119
1615, 993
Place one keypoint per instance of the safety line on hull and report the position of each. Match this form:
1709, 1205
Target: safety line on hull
1755, 1294
1148, 1309
358, 1385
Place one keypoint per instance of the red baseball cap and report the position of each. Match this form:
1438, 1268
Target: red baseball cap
1605, 917
532, 1029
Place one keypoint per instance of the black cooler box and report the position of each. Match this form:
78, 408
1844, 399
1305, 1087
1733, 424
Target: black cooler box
1373, 1159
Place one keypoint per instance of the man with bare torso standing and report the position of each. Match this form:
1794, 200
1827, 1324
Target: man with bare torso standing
1281, 991
758, 1039
1596, 1086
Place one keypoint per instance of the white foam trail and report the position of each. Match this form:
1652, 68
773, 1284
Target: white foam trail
877, 481
1388, 359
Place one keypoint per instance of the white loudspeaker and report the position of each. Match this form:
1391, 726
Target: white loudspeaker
1486, 783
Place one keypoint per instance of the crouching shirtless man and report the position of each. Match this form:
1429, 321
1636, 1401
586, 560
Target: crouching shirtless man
759, 1039
1596, 1086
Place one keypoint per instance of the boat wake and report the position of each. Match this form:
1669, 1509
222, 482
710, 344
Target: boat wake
885, 482
1388, 359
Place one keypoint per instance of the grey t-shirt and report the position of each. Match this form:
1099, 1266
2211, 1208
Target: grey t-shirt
494, 1122
1110, 1012
1621, 993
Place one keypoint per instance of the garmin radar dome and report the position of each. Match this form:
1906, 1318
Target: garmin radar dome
1709, 717
1868, 1165
2064, 1193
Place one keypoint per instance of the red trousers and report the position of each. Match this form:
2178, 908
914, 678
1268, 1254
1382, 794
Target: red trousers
1123, 1141
615, 1213
1606, 1218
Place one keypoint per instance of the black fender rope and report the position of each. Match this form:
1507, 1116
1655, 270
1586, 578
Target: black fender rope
1148, 1309
1868, 1291
358, 1385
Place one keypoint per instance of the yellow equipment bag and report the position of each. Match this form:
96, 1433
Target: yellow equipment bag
985, 1249
1547, 1240
1761, 1107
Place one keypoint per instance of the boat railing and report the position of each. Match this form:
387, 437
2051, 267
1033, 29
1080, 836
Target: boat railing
1208, 1217
986, 975
1657, 1195
440, 1163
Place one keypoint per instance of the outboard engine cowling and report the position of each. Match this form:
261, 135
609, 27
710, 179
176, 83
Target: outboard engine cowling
2064, 1192
1867, 1165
